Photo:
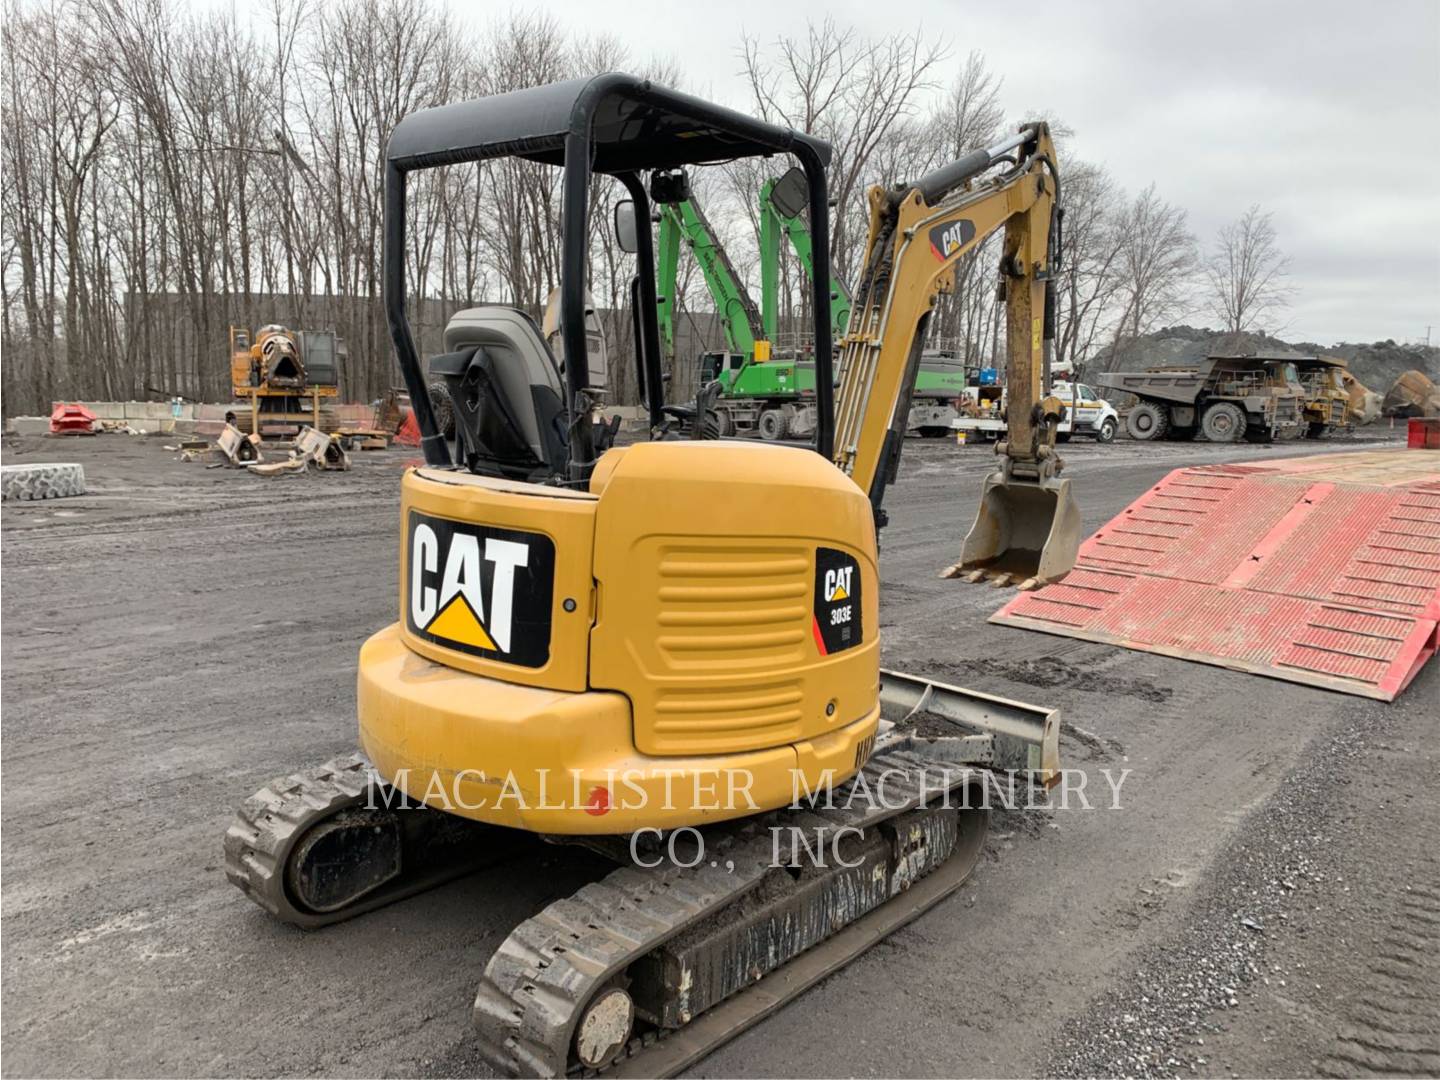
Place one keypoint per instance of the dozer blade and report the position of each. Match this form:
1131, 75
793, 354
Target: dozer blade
1025, 529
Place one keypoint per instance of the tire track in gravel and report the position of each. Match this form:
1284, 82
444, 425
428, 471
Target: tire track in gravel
1391, 1027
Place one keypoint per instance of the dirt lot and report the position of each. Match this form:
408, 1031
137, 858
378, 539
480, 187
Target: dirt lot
1265, 901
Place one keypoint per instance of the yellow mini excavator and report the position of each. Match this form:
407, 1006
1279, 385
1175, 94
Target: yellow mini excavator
669, 652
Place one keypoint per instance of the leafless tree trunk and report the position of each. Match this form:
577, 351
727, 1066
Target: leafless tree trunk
168, 173
1245, 273
1090, 280
1157, 263
854, 93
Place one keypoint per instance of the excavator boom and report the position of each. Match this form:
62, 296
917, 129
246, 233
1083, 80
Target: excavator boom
739, 317
782, 213
1028, 524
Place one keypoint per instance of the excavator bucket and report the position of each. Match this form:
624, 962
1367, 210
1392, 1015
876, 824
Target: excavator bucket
1025, 529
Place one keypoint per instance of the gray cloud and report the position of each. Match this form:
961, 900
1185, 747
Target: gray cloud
1324, 112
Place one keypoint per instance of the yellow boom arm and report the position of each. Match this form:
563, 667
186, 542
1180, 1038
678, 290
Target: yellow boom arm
916, 236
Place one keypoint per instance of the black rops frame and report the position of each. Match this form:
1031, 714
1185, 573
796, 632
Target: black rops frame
617, 125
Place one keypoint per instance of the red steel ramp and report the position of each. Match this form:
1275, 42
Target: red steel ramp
1323, 570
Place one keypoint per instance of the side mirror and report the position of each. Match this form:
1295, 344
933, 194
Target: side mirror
626, 231
791, 193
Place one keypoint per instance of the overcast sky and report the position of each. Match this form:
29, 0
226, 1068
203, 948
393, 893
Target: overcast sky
1326, 112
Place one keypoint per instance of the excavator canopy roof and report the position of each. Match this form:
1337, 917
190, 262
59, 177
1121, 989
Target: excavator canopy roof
633, 124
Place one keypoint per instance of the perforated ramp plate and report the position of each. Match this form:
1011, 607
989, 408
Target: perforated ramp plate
1322, 570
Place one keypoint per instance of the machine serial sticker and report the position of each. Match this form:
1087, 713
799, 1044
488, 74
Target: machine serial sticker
837, 601
480, 590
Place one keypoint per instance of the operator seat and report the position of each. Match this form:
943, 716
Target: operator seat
508, 394
603, 433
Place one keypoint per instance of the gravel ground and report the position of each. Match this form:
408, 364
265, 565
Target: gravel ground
1337, 831
179, 635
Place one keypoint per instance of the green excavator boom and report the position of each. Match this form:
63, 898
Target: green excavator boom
739, 318
781, 218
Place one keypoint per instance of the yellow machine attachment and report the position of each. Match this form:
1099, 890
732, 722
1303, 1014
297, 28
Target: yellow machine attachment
1364, 403
1028, 525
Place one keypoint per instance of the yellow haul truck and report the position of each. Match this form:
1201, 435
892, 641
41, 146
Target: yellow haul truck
670, 651
1327, 401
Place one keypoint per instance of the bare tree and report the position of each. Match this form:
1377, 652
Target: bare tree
1156, 261
970, 113
1245, 272
1090, 280
968, 116
158, 181
851, 91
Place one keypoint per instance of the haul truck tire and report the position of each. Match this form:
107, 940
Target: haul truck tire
48, 481
1148, 421
1223, 423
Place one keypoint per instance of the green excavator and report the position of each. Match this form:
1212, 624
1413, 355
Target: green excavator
766, 383
941, 376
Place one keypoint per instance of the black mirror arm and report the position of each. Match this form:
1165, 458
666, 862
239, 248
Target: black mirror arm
648, 340
637, 334
432, 441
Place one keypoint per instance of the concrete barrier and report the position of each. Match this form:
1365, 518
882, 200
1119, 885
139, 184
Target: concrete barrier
104, 410
207, 418
146, 410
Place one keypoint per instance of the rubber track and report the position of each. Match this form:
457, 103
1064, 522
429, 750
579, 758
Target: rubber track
675, 1051
271, 822
542, 976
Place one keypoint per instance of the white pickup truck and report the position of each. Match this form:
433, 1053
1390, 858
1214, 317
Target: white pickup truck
1086, 414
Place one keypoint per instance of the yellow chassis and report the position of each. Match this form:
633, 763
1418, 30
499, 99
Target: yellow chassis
486, 749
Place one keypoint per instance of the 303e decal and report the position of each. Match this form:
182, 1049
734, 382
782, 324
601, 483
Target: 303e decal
837, 624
